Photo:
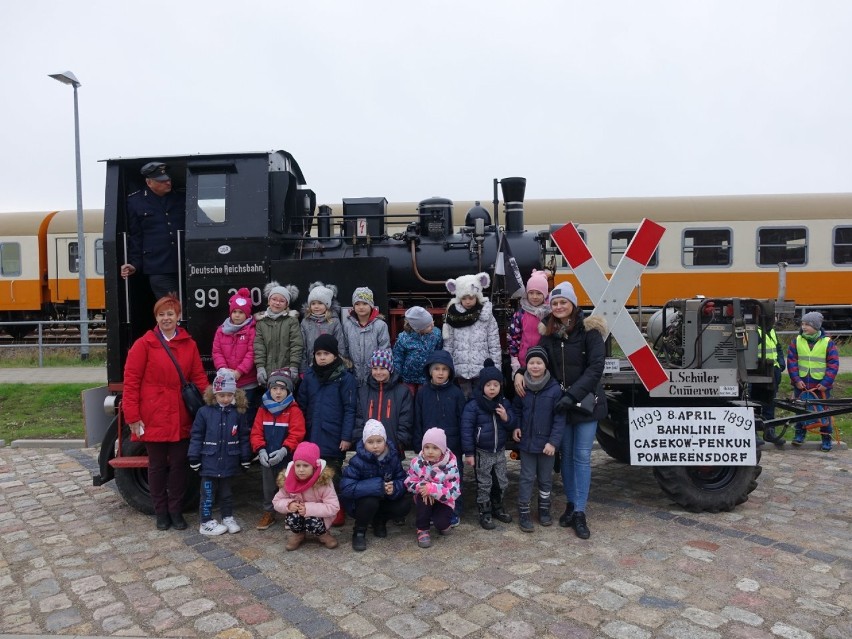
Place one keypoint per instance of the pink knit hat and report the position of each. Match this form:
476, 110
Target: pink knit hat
436, 436
240, 300
307, 452
537, 282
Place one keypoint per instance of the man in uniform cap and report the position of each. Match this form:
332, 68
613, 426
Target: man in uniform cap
155, 214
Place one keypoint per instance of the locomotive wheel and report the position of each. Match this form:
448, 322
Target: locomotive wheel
132, 483
616, 448
708, 488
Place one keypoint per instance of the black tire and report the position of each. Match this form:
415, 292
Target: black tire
618, 449
708, 488
132, 483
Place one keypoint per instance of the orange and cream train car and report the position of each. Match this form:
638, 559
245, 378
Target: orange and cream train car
39, 277
718, 246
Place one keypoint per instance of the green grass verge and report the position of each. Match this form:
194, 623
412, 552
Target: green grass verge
842, 388
53, 356
41, 411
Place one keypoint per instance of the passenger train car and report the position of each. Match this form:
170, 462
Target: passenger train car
39, 277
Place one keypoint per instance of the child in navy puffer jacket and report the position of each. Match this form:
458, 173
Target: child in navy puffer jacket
218, 447
372, 488
486, 423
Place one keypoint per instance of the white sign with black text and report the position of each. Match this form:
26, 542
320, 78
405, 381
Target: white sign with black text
692, 436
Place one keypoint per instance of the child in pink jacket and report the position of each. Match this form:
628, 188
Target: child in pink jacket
233, 348
306, 495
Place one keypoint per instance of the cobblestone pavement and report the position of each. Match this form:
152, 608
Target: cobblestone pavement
75, 560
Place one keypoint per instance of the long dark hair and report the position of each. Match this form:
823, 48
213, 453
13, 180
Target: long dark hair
554, 324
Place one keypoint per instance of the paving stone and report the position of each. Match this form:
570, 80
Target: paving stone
196, 607
624, 588
357, 625
789, 632
407, 626
455, 625
743, 616
524, 588
622, 630
215, 622
56, 602
513, 629
62, 619
607, 600
170, 583
704, 617
684, 630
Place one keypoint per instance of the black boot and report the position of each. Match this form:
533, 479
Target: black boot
380, 527
359, 539
178, 522
578, 523
544, 517
566, 519
499, 513
164, 522
525, 518
485, 516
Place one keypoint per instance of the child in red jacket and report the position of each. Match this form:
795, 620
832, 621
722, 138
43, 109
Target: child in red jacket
278, 429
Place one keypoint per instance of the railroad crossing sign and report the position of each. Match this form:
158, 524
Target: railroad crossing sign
613, 294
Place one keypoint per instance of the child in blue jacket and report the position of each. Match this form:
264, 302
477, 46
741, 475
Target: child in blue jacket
487, 421
372, 488
218, 447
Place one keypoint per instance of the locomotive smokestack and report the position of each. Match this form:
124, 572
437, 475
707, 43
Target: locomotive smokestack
513, 197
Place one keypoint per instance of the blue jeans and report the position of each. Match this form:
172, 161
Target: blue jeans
576, 468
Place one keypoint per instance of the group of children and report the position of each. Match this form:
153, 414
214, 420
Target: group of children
331, 382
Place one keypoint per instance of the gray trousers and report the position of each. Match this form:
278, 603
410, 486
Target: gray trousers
535, 466
487, 461
270, 488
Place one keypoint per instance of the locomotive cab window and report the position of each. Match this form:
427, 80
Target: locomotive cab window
842, 245
776, 245
212, 198
10, 259
619, 240
706, 247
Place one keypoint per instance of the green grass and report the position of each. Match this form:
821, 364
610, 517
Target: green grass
53, 356
41, 411
843, 423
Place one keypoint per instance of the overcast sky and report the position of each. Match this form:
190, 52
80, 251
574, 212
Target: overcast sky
414, 99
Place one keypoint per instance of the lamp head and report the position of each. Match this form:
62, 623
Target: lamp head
66, 78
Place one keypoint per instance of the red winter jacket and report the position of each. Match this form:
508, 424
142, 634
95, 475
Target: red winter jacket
236, 351
152, 386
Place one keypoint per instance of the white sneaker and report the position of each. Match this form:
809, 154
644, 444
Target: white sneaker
212, 528
231, 524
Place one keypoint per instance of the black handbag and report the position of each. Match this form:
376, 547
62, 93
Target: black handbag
192, 397
585, 406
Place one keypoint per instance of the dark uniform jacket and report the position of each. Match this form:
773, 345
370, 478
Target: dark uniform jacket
153, 223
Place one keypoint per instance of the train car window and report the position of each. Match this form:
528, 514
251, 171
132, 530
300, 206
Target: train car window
619, 240
786, 244
842, 245
553, 250
99, 256
212, 198
73, 258
706, 247
10, 259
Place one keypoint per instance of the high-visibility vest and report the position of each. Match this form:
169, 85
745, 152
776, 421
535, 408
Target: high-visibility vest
812, 360
770, 341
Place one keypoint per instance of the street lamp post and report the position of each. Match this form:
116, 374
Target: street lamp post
69, 78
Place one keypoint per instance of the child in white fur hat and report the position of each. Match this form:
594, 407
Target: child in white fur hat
321, 317
470, 329
278, 341
219, 428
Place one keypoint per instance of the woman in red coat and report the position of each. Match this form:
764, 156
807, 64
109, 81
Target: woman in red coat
154, 409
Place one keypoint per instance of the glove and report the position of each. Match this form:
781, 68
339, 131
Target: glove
263, 457
261, 375
278, 456
565, 404
196, 466
246, 465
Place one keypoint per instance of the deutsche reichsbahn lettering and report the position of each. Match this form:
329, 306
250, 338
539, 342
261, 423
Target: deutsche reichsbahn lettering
225, 269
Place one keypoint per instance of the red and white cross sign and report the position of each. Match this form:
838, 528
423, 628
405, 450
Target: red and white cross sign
613, 293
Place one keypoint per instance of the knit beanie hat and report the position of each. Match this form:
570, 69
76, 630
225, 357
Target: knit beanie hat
240, 300
383, 359
437, 437
289, 292
318, 292
538, 351
309, 453
224, 382
281, 377
537, 282
363, 294
327, 342
418, 318
489, 373
814, 318
565, 291
374, 427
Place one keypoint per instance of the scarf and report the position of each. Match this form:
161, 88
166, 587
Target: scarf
275, 316
294, 485
539, 311
328, 372
318, 318
229, 328
533, 385
813, 337
276, 408
465, 317
488, 405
